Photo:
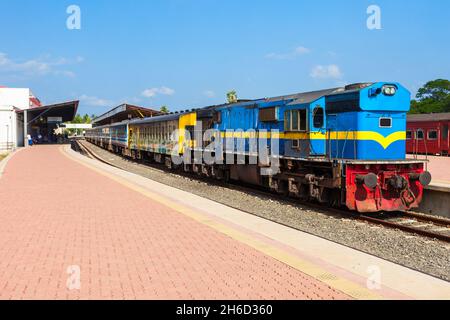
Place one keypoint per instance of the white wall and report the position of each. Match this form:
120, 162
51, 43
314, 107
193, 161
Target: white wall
8, 134
17, 97
12, 99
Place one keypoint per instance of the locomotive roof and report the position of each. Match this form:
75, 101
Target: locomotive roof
309, 97
298, 98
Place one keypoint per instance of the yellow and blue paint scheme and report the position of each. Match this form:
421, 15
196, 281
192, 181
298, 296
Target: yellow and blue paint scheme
358, 123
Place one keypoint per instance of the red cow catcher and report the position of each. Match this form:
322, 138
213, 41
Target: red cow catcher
385, 186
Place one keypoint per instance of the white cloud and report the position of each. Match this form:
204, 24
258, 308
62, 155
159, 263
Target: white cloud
38, 66
331, 71
301, 50
94, 101
152, 92
290, 55
209, 93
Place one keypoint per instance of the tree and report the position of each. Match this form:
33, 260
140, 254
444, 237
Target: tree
433, 97
86, 119
232, 96
164, 109
82, 119
437, 90
77, 119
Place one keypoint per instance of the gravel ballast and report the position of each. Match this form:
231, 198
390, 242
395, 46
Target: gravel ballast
416, 252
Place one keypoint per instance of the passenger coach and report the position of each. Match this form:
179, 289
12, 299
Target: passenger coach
428, 134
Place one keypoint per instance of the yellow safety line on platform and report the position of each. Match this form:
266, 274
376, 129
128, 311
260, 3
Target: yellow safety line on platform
348, 287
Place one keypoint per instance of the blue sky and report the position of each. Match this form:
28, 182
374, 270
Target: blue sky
189, 53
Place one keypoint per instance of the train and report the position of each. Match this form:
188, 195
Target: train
428, 134
342, 147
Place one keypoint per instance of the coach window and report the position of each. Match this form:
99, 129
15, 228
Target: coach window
420, 134
432, 134
408, 135
318, 117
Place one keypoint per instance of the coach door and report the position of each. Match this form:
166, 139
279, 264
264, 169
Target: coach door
444, 143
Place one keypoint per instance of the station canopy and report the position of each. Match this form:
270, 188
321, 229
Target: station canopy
61, 112
124, 112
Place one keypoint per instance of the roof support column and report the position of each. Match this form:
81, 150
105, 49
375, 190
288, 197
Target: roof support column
25, 128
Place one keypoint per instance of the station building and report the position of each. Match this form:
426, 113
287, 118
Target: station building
22, 114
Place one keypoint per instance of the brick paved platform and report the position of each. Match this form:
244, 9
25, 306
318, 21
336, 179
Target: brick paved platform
56, 213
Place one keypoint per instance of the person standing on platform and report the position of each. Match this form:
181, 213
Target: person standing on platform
30, 140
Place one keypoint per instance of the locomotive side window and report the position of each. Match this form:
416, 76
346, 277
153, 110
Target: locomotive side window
432, 134
420, 134
385, 122
294, 126
318, 117
295, 120
408, 135
287, 121
303, 120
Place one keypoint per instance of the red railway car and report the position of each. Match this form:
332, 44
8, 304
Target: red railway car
428, 134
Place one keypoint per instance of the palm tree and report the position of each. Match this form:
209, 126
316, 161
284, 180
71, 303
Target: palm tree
232, 96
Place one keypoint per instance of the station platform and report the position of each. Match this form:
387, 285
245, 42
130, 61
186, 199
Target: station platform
439, 167
75, 228
437, 194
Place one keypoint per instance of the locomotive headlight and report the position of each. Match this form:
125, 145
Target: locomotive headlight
389, 90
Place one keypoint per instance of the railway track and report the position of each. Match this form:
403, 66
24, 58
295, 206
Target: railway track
432, 227
91, 154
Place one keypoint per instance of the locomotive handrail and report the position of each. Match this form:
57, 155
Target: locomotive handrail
329, 144
426, 150
345, 143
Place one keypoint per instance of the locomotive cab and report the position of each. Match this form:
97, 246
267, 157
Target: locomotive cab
305, 129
